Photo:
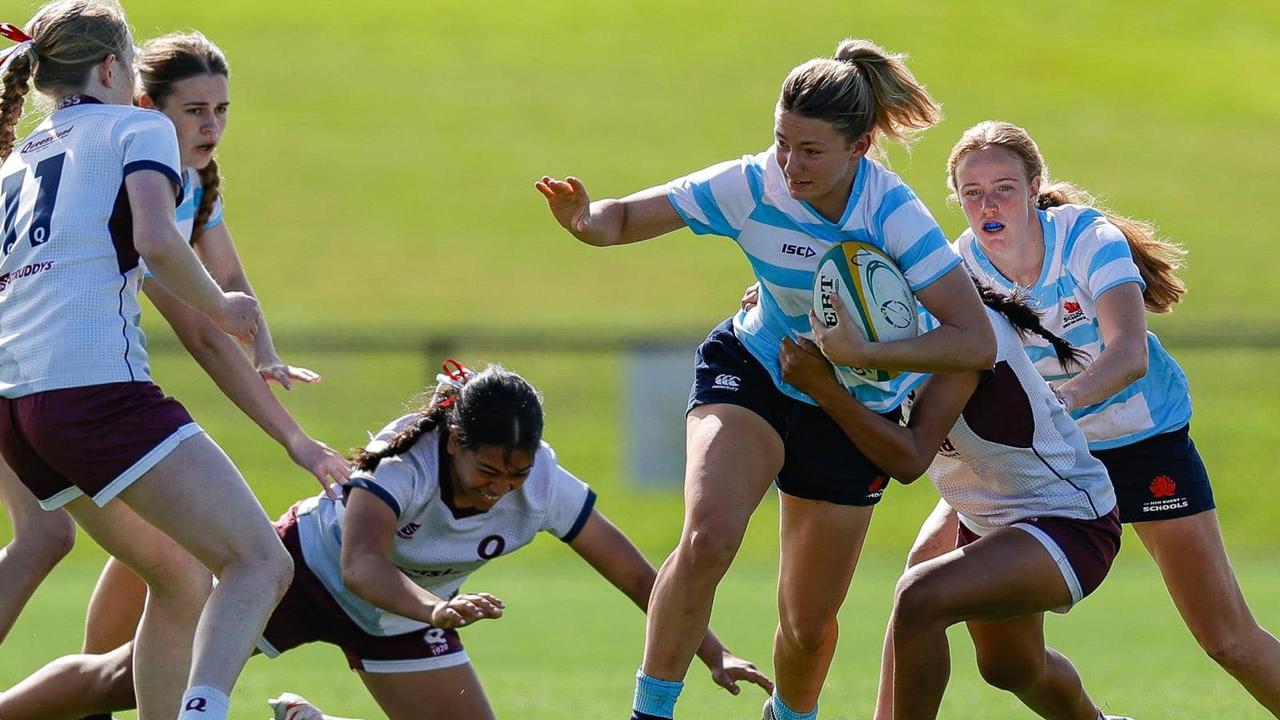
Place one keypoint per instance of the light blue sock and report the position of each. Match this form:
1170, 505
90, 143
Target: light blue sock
656, 697
782, 712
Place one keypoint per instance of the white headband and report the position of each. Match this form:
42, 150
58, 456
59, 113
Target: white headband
27, 47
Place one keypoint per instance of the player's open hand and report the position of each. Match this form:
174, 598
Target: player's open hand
273, 369
238, 316
804, 367
568, 201
466, 609
322, 461
733, 669
843, 343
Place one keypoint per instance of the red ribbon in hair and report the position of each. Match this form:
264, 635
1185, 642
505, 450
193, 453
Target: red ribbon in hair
14, 33
455, 374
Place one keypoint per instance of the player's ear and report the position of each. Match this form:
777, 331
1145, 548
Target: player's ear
860, 146
453, 446
144, 100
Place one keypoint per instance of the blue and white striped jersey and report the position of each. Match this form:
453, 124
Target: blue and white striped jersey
747, 200
1085, 256
192, 192
69, 273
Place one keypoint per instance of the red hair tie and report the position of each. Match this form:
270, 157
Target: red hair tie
14, 33
455, 374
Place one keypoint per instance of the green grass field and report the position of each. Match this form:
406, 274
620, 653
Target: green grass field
379, 181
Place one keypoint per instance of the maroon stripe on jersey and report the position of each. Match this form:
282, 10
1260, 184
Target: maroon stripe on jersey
1000, 411
121, 227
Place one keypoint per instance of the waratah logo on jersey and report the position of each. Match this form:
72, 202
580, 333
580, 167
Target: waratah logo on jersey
407, 531
876, 488
1071, 313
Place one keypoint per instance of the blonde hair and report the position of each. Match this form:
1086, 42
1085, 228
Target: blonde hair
1158, 260
69, 37
861, 89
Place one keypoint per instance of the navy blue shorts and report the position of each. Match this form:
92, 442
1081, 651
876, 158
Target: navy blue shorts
821, 462
1160, 478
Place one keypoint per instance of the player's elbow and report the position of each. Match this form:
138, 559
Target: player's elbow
1137, 364
356, 576
153, 244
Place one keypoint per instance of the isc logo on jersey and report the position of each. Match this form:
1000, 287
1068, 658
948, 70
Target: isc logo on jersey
875, 293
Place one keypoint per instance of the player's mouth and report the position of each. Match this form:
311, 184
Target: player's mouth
206, 148
795, 184
992, 227
487, 496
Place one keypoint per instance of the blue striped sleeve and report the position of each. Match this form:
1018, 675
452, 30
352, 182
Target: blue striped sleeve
716, 200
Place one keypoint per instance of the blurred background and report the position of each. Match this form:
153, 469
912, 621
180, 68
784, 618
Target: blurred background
379, 171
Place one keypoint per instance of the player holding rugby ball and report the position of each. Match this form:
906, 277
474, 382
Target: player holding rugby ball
814, 188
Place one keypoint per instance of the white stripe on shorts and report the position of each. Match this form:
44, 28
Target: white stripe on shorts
416, 665
145, 463
1059, 557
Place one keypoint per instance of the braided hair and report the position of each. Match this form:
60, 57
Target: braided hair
492, 407
1026, 320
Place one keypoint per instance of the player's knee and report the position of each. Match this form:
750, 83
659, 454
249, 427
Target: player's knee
1015, 675
114, 679
1227, 645
917, 602
48, 540
807, 631
709, 547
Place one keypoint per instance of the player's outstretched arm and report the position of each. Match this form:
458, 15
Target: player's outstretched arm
903, 452
613, 555
639, 216
222, 360
174, 265
217, 251
368, 531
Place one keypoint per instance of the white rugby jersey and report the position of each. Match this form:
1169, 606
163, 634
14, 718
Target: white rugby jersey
747, 200
435, 546
192, 193
1015, 453
69, 272
1085, 255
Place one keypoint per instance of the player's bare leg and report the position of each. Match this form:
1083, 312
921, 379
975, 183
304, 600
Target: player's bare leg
1012, 656
733, 456
452, 693
40, 540
820, 543
72, 687
178, 586
937, 536
1003, 576
1193, 561
234, 539
115, 608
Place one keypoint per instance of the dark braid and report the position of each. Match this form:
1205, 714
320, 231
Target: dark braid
210, 180
494, 407
1024, 319
17, 83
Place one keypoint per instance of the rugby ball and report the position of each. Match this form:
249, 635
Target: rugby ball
875, 293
